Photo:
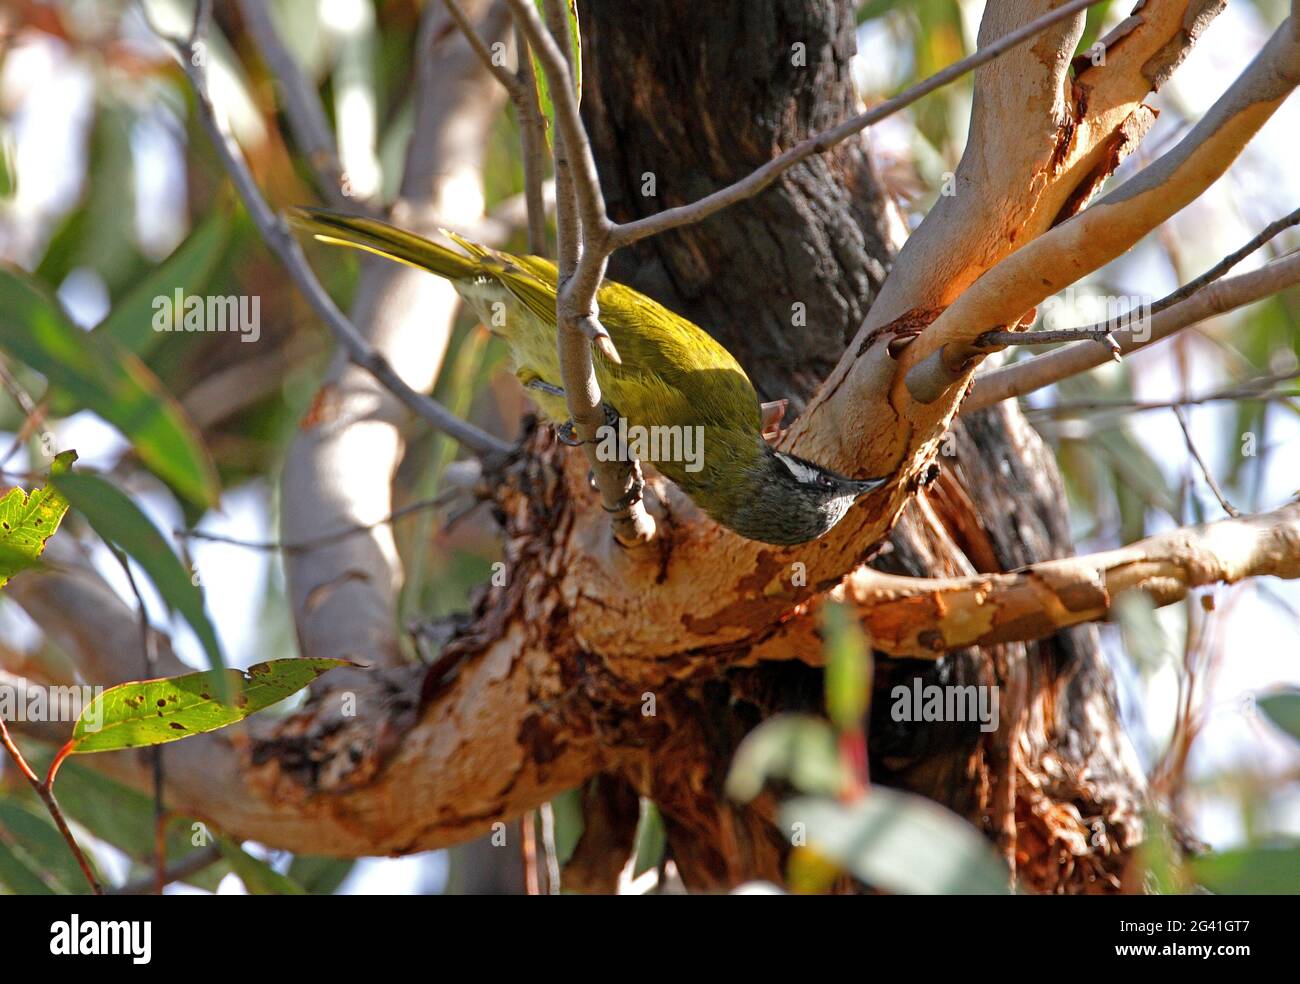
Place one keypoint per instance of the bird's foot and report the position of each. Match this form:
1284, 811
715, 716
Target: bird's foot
631, 497
567, 434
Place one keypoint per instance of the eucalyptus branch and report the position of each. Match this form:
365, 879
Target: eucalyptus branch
630, 232
303, 546
522, 90
1105, 334
1228, 507
582, 252
532, 137
277, 236
945, 352
46, 794
155, 752
302, 105
180, 869
1070, 360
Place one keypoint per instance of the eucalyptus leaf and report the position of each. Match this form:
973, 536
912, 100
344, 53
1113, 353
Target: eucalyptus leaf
258, 876
99, 375
34, 837
1283, 709
118, 520
798, 748
544, 100
187, 270
154, 712
651, 839
848, 668
1268, 870
27, 520
899, 842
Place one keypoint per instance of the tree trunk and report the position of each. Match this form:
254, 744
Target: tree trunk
1056, 785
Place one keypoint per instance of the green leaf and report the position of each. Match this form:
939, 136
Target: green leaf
99, 375
187, 270
848, 669
651, 839
119, 520
18, 875
1271, 870
35, 839
153, 712
8, 169
27, 520
544, 101
258, 876
899, 842
319, 875
1283, 709
798, 748
124, 817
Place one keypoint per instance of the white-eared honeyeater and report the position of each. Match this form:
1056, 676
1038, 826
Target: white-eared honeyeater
673, 375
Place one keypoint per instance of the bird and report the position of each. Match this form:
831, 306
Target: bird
669, 378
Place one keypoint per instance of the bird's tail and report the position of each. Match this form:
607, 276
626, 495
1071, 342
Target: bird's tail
384, 240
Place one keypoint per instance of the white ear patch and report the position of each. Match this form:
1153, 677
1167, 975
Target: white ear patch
801, 472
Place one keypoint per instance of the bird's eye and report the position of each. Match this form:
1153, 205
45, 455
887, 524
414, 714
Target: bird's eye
824, 481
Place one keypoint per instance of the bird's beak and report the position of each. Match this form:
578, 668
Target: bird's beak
870, 485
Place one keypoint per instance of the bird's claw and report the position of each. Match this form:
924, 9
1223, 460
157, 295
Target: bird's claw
631, 497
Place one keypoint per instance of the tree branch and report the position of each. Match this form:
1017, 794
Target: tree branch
749, 186
582, 251
924, 617
1044, 370
945, 352
277, 236
302, 105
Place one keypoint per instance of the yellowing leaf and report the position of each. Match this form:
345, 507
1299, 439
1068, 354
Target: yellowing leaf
27, 520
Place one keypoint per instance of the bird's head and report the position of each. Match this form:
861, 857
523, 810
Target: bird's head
793, 500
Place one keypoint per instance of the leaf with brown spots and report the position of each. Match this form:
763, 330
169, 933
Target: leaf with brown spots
151, 712
27, 520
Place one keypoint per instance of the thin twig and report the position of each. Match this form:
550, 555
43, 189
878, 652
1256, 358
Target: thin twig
150, 669
326, 539
302, 106
275, 232
480, 47
33, 414
1258, 390
1217, 298
1228, 507
1002, 338
46, 794
522, 89
1228, 262
532, 138
751, 185
180, 869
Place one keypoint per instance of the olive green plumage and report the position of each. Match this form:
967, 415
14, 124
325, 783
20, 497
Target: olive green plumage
673, 374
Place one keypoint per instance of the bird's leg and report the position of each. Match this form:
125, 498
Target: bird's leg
565, 431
